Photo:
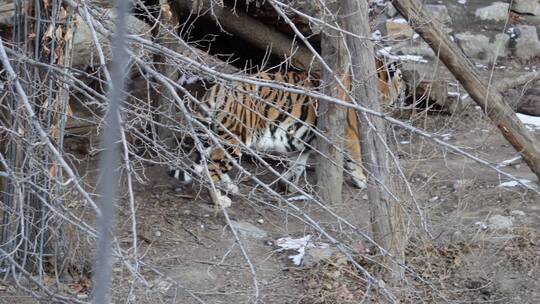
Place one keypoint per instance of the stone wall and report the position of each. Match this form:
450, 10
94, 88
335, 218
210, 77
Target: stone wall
484, 30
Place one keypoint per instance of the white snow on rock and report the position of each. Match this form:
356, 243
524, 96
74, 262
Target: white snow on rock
385, 52
531, 122
514, 183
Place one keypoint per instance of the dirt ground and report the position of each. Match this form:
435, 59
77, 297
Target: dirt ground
466, 260
189, 254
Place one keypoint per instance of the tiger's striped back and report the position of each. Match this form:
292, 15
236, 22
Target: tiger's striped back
268, 119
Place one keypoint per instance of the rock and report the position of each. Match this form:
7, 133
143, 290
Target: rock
527, 45
525, 6
248, 230
481, 47
499, 222
462, 184
7, 10
498, 11
398, 28
529, 103
315, 255
517, 213
439, 12
391, 11
417, 47
84, 51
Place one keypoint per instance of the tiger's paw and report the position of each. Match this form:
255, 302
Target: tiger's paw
359, 182
224, 201
231, 188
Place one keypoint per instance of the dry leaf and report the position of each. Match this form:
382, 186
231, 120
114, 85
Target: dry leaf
69, 111
59, 32
54, 131
31, 35
53, 170
69, 34
63, 14
49, 32
166, 9
46, 4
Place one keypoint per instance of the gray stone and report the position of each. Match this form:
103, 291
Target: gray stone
499, 222
398, 28
248, 230
84, 50
517, 213
527, 45
7, 10
525, 6
482, 47
498, 11
439, 12
316, 255
391, 11
417, 47
462, 184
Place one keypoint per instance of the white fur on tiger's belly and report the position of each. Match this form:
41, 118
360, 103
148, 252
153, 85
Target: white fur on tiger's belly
276, 142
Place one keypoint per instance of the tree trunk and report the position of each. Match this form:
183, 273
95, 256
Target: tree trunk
386, 213
489, 99
330, 119
163, 100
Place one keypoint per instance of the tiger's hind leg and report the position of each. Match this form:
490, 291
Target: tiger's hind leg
352, 146
295, 169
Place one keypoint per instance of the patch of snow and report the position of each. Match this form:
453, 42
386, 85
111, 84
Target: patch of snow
298, 198
531, 122
480, 65
188, 79
509, 162
446, 136
462, 1
298, 245
404, 142
376, 36
385, 52
482, 225
454, 94
399, 20
515, 183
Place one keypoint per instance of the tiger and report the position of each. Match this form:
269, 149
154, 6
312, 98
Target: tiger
272, 120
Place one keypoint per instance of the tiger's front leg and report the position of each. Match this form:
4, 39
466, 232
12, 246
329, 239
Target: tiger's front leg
218, 169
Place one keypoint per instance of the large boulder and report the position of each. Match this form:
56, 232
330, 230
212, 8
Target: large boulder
7, 8
525, 6
84, 49
527, 45
498, 11
482, 47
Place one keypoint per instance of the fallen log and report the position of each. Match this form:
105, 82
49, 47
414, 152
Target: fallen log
489, 99
253, 31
